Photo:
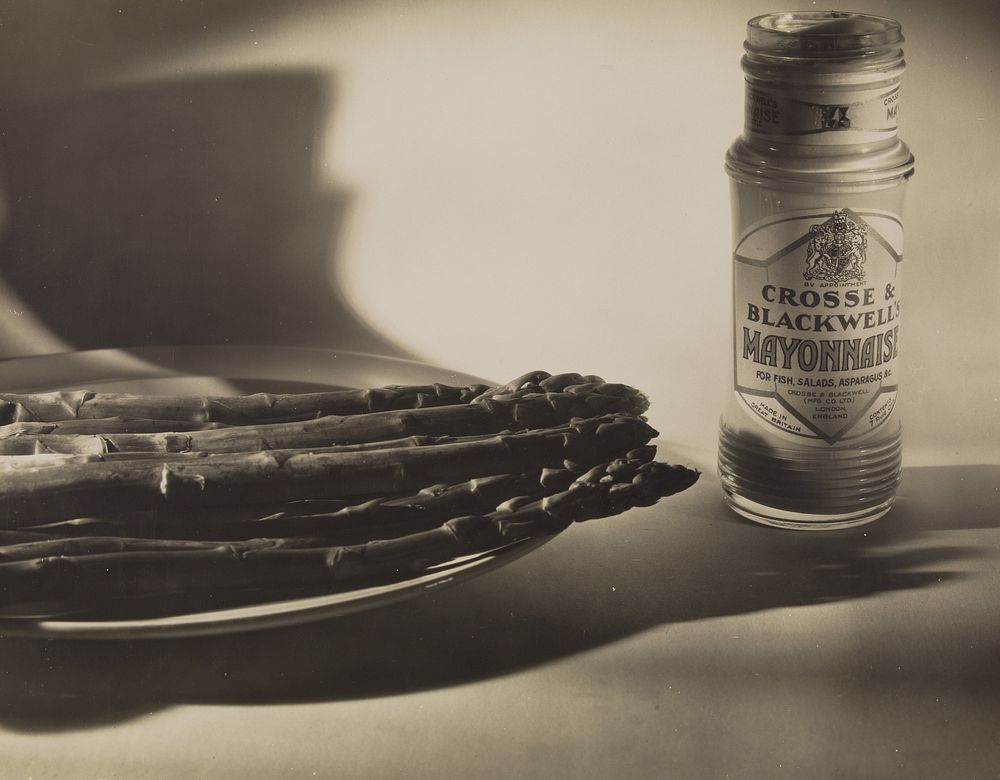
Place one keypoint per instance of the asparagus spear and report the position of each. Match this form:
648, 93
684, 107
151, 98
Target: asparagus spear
233, 410
489, 413
104, 425
83, 581
39, 547
43, 459
35, 496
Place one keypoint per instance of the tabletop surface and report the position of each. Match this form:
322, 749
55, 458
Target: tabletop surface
672, 641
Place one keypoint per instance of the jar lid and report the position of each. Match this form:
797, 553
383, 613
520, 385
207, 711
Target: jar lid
822, 34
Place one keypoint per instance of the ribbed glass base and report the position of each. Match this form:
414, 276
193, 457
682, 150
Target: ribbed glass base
805, 487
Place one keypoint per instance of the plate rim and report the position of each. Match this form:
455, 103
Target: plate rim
152, 357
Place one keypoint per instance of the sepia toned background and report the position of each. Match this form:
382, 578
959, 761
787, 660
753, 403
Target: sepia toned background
495, 187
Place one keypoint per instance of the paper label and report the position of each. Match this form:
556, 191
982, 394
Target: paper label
816, 321
855, 117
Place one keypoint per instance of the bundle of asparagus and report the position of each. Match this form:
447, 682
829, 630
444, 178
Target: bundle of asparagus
233, 410
238, 503
73, 574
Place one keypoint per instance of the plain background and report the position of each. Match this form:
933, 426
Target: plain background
491, 187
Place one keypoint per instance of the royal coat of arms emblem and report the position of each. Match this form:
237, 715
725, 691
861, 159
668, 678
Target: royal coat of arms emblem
836, 251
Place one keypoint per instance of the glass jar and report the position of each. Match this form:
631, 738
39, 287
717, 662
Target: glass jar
810, 438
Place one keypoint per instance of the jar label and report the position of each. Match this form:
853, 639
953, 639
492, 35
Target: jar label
855, 117
816, 321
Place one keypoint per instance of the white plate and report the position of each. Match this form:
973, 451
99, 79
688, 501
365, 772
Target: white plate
222, 370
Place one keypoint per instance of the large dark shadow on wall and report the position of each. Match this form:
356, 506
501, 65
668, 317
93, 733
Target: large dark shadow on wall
184, 212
